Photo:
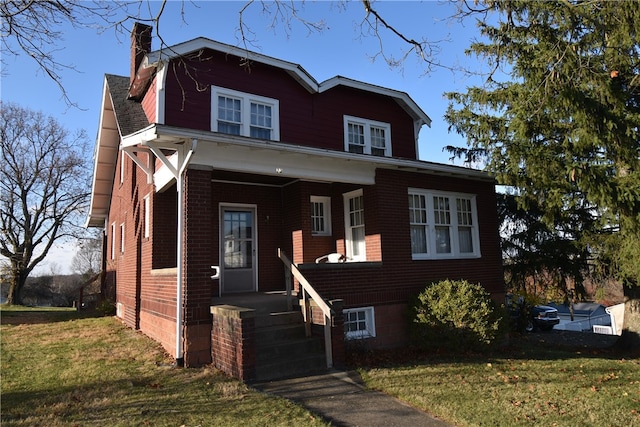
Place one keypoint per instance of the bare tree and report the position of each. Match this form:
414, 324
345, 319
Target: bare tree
34, 28
44, 186
88, 259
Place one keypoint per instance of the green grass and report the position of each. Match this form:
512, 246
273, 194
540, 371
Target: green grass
61, 368
524, 386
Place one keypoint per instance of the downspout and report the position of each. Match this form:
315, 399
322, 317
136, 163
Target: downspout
182, 167
184, 152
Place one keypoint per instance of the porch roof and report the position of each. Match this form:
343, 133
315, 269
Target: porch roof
278, 159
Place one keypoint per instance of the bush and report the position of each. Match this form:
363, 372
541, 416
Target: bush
106, 308
455, 315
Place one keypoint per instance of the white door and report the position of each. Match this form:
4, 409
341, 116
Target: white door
238, 249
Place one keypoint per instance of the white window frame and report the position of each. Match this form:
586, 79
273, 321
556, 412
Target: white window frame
246, 99
454, 225
369, 319
368, 125
325, 218
147, 216
113, 240
122, 238
348, 228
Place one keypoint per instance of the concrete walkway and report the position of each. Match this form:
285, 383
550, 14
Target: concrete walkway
340, 398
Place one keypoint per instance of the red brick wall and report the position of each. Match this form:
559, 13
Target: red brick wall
233, 343
198, 285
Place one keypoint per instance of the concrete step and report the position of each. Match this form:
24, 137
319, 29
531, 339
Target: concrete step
289, 368
283, 350
279, 318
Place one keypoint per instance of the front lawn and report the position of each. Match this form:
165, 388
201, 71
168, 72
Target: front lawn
525, 384
60, 369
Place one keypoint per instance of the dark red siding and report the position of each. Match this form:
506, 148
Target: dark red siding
305, 119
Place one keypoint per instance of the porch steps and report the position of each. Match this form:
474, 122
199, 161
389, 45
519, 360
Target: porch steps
283, 350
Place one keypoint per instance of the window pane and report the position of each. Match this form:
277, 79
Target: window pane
229, 128
464, 212
229, 109
443, 240
317, 217
356, 138
260, 121
357, 240
418, 239
378, 141
260, 133
466, 240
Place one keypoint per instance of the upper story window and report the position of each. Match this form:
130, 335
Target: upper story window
320, 216
443, 225
364, 136
239, 113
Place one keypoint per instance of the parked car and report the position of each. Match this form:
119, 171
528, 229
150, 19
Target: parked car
525, 317
542, 317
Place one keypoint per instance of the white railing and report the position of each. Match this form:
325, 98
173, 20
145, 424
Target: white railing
309, 292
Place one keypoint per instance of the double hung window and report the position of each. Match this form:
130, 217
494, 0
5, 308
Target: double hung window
354, 226
238, 113
443, 225
364, 136
320, 216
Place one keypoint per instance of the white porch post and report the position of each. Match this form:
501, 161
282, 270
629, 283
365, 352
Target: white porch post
184, 151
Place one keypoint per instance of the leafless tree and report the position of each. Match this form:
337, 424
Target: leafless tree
34, 28
88, 258
44, 187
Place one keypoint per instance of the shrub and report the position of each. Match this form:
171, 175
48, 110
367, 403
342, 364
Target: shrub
455, 315
106, 308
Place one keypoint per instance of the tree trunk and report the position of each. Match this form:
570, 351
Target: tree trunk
18, 280
630, 338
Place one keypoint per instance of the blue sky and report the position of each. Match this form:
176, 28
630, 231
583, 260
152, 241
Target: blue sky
340, 49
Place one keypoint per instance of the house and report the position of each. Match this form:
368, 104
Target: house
221, 172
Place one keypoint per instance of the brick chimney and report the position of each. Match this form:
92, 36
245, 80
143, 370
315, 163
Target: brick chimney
140, 46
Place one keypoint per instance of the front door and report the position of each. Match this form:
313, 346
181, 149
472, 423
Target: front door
238, 251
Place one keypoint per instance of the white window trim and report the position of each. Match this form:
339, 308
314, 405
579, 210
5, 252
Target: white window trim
326, 202
455, 242
122, 238
147, 216
245, 102
370, 321
367, 133
348, 240
113, 240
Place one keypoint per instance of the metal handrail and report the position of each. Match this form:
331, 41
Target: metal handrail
307, 289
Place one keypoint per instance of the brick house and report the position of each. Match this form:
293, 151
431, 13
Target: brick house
211, 161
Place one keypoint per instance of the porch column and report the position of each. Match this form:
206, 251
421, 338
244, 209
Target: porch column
199, 220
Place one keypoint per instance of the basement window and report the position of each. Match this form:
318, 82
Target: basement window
359, 323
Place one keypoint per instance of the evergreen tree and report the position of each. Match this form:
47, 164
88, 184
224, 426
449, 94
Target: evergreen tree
558, 120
